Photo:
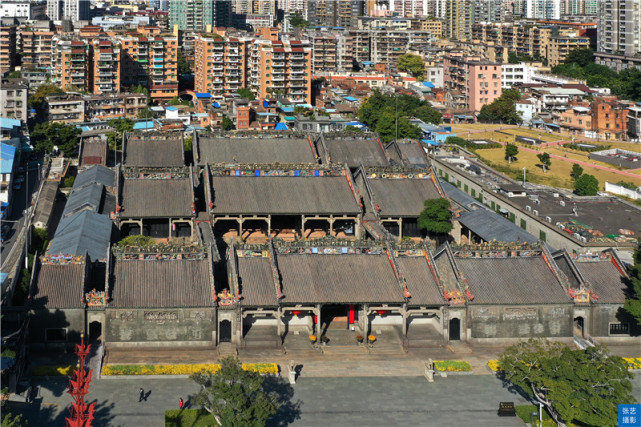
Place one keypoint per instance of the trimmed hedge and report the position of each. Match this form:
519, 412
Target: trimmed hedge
452, 366
186, 369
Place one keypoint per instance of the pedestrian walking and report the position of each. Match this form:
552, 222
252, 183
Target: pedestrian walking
142, 395
181, 403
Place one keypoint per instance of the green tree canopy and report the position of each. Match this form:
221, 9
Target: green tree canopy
502, 109
633, 303
227, 124
235, 395
120, 126
184, 67
545, 160
583, 386
436, 217
586, 185
412, 64
246, 93
49, 134
511, 150
297, 21
582, 56
379, 107
386, 128
136, 240
352, 129
577, 171
37, 99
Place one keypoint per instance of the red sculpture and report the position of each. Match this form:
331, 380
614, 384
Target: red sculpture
81, 414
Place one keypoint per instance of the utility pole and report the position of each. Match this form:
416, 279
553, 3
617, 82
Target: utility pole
524, 177
396, 98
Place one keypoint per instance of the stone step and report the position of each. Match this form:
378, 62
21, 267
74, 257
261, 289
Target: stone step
227, 349
336, 350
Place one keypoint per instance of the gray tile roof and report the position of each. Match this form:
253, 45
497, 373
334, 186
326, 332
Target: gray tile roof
355, 152
402, 197
460, 197
45, 202
338, 279
160, 198
96, 173
85, 232
255, 150
412, 154
565, 265
256, 282
154, 153
88, 197
94, 149
526, 280
492, 226
59, 286
420, 281
159, 284
283, 195
605, 280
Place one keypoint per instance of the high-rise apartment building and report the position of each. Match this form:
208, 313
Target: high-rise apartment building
543, 9
105, 67
579, 7
220, 65
408, 7
335, 13
74, 10
619, 27
70, 60
7, 47
458, 19
190, 15
36, 49
471, 81
281, 68
151, 62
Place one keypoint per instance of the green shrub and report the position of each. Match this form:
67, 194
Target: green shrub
68, 182
189, 417
452, 366
137, 240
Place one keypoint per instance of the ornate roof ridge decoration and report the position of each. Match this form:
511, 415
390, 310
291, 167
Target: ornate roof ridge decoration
407, 247
276, 169
496, 249
396, 172
329, 245
145, 172
253, 135
591, 257
62, 259
152, 136
346, 136
160, 252
275, 273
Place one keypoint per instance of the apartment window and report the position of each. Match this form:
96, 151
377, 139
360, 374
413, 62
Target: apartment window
494, 92
542, 236
619, 328
473, 192
480, 76
523, 224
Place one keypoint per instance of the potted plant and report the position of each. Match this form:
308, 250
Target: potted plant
371, 339
312, 339
359, 339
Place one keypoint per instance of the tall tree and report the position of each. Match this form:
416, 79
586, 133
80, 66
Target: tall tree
120, 126
297, 21
633, 303
386, 128
373, 109
237, 396
49, 134
502, 109
37, 99
586, 185
436, 217
227, 123
245, 93
412, 64
184, 67
511, 150
582, 57
545, 160
577, 171
573, 385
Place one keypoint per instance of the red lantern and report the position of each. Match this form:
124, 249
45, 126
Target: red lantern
381, 312
296, 312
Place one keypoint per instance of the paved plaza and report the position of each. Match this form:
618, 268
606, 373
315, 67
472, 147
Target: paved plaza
457, 401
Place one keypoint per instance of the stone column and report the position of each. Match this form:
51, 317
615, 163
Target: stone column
302, 226
319, 323
279, 326
269, 226
404, 315
240, 228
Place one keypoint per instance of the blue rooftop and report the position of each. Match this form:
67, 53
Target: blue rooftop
287, 109
7, 157
171, 108
144, 125
350, 98
203, 95
215, 105
9, 123
280, 126
428, 84
85, 232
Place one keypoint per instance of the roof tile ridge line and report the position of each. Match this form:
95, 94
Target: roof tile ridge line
328, 157
556, 271
429, 257
582, 280
437, 183
370, 193
617, 262
108, 275
274, 267
461, 281
80, 149
352, 186
194, 143
118, 189
35, 271
85, 275
209, 197
210, 268
380, 145
425, 156
400, 278
396, 148
193, 196
312, 148
125, 137
182, 143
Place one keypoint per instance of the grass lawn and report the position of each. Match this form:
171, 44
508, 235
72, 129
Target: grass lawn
189, 418
524, 412
557, 176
